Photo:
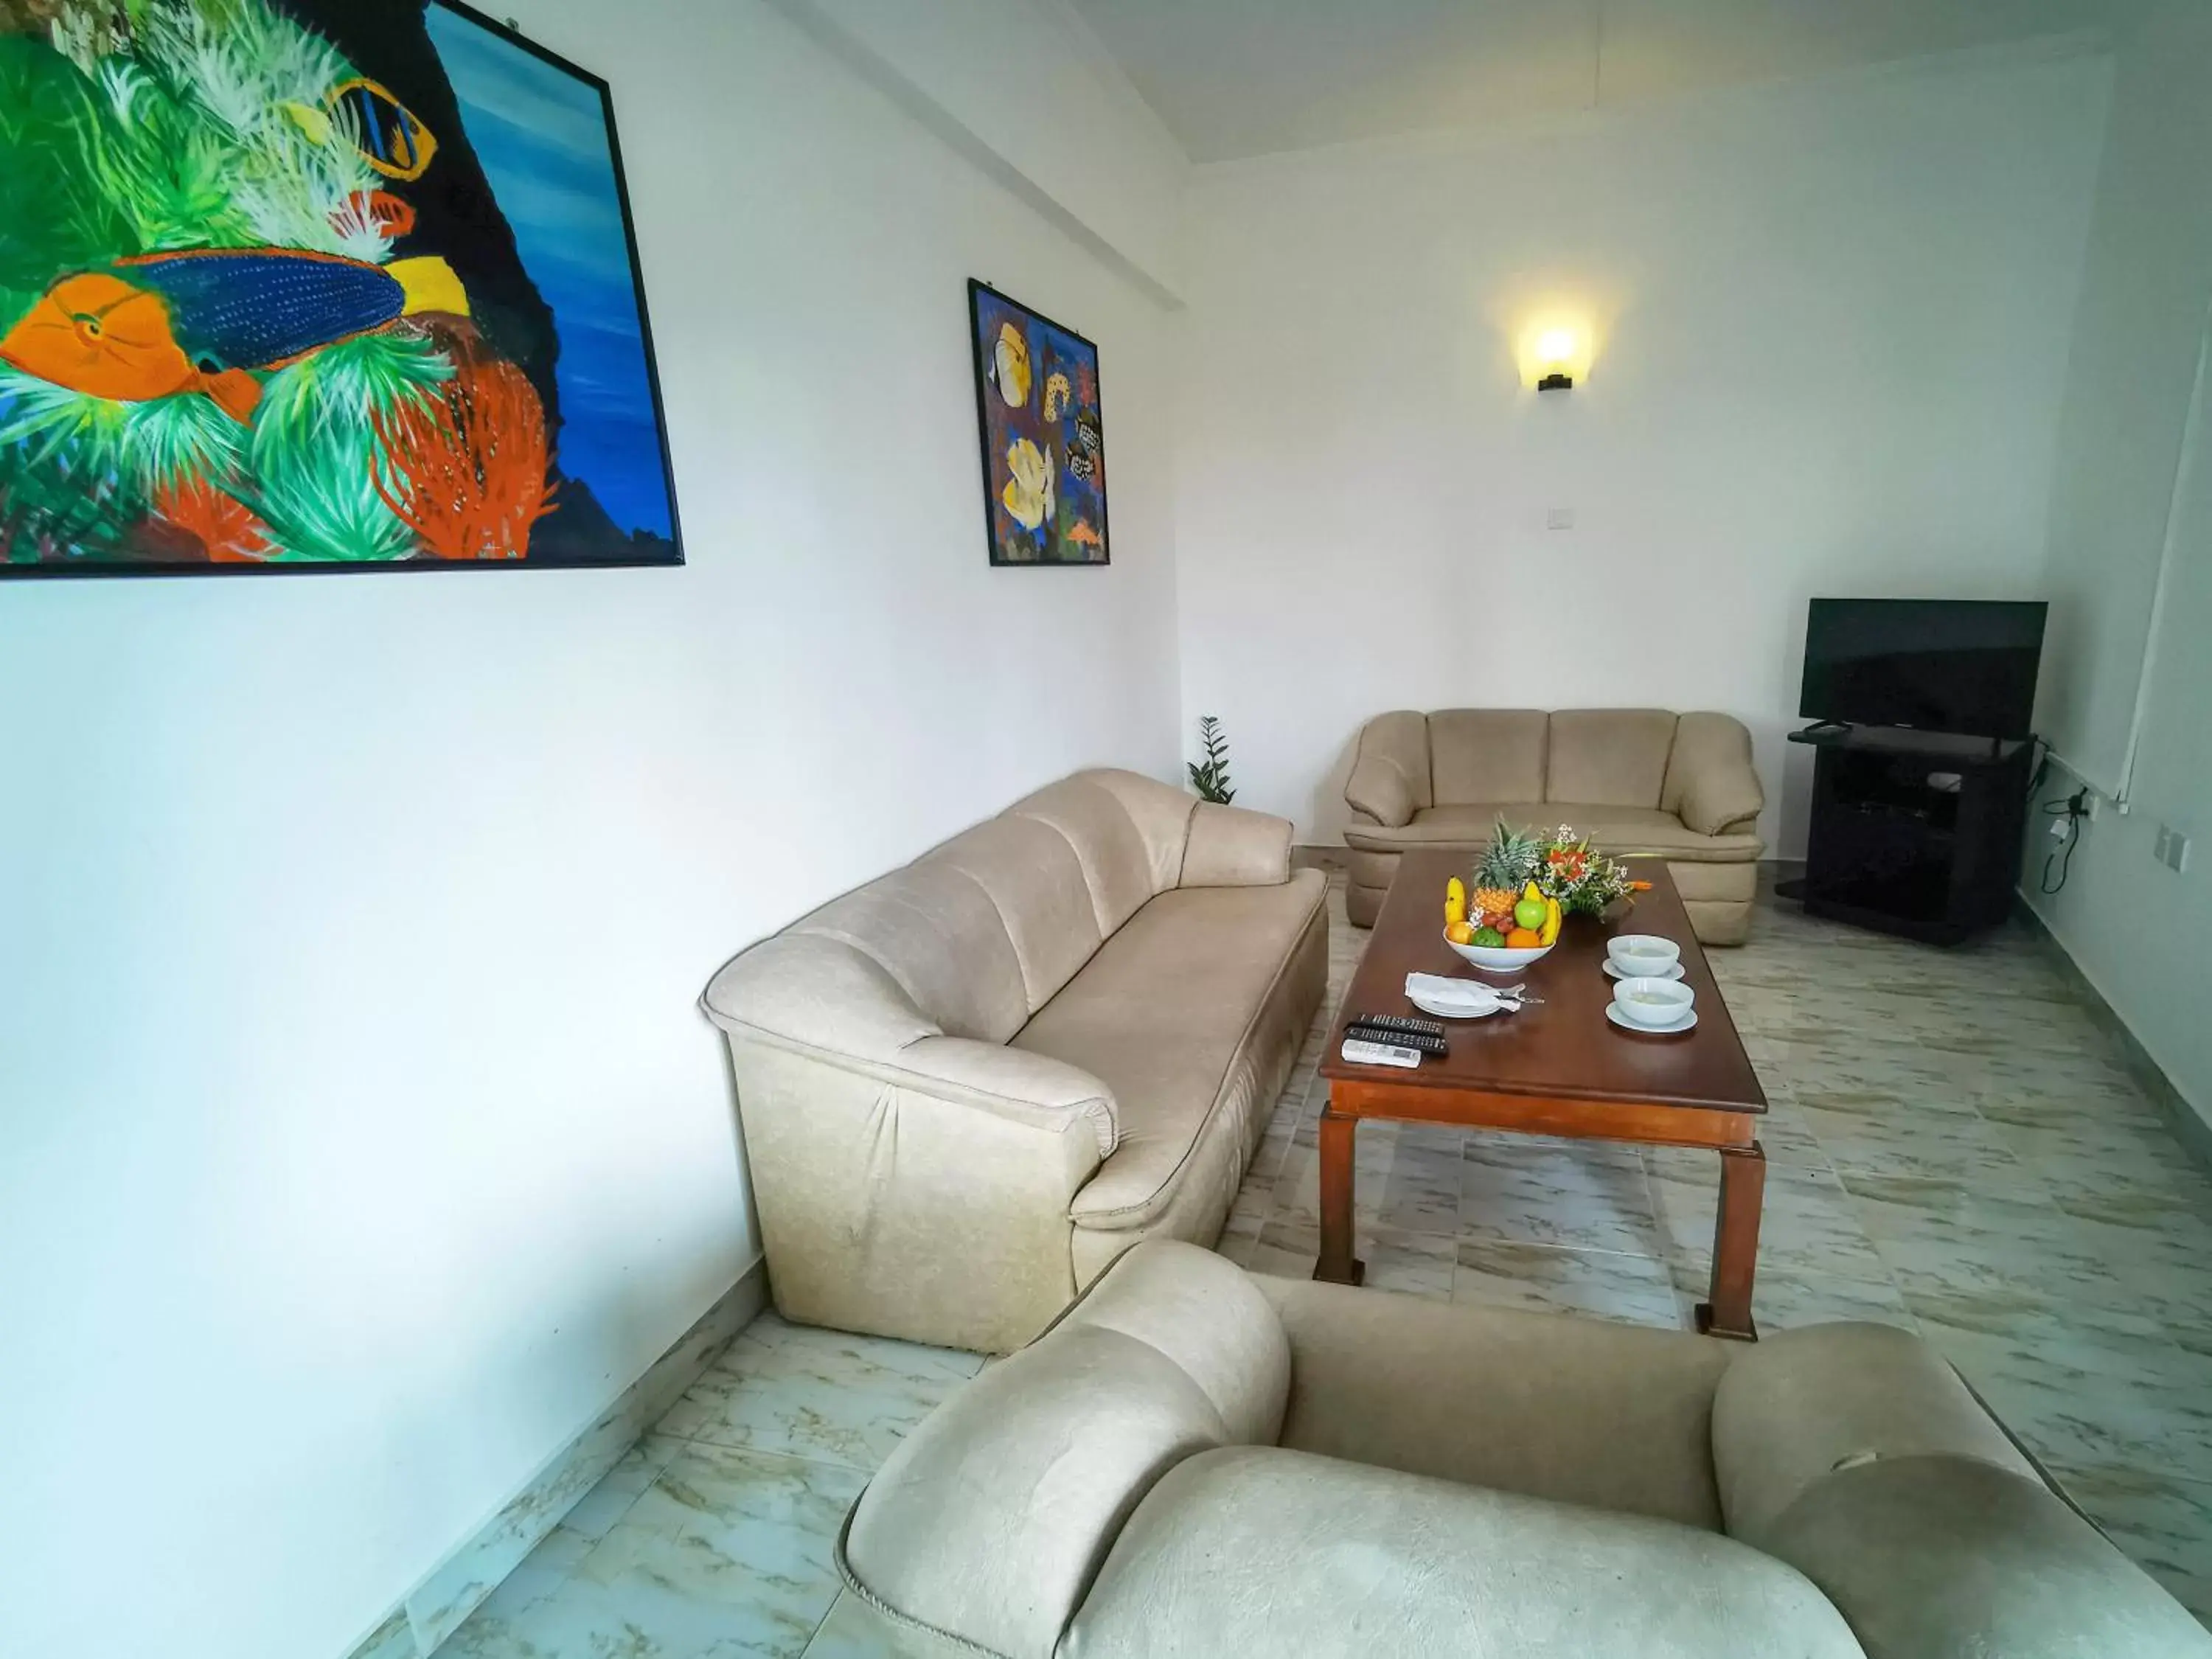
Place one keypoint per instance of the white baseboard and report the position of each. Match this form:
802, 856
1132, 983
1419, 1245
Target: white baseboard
457, 1586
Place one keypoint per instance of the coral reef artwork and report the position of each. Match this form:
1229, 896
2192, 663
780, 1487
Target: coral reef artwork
315, 285
1044, 447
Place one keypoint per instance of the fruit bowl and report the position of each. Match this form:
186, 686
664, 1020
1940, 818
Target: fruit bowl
1498, 958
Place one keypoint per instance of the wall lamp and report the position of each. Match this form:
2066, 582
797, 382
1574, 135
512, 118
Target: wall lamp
1556, 351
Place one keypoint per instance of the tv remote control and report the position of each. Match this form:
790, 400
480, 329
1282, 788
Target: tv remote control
1400, 1023
1377, 1054
1369, 1033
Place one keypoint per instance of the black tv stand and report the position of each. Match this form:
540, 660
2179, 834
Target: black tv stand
1914, 833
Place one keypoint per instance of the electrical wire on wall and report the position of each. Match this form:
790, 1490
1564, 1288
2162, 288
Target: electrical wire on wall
2070, 812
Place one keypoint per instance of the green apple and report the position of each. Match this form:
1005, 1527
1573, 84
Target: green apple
1530, 913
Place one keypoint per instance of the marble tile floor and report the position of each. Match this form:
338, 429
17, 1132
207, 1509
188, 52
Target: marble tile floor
1954, 1147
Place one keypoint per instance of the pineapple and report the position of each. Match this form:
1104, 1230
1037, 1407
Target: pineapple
1505, 865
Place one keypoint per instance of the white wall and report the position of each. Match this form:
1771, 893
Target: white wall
362, 1139
2136, 929
1043, 104
1833, 321
2133, 356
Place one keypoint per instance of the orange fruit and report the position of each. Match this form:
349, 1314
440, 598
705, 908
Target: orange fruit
1460, 932
1523, 939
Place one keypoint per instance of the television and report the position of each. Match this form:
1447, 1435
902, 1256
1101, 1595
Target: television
1959, 665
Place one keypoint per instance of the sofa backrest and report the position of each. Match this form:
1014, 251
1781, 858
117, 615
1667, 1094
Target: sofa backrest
1610, 756
975, 936
1486, 755
991, 1519
1593, 756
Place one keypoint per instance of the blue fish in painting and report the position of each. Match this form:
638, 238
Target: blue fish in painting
158, 323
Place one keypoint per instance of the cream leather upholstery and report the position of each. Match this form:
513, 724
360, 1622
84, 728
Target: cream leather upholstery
970, 1085
1199, 1461
1635, 780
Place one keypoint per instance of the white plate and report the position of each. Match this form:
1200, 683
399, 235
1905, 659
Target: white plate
1612, 1012
1674, 971
1451, 1010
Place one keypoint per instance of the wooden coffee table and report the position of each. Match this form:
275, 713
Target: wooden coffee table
1557, 1068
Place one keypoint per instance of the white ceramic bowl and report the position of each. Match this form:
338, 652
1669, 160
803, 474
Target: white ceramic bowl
1499, 958
1653, 1002
1646, 954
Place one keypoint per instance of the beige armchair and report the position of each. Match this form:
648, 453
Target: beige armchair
970, 1085
1200, 1461
1635, 780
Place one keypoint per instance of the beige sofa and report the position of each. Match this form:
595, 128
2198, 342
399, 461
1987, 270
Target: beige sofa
1201, 1462
968, 1087
1635, 780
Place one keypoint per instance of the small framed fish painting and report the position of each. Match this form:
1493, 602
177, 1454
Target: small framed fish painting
1044, 447
315, 285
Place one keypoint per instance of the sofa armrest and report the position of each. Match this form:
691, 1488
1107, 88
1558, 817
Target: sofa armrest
1389, 779
1712, 784
1257, 1550
1234, 846
1379, 787
1014, 1084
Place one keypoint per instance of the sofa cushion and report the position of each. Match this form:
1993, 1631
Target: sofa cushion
1259, 1550
1610, 756
1032, 874
1117, 865
1607, 1415
1621, 829
1160, 1015
1487, 754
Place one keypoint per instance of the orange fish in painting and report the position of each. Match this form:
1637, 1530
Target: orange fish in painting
1081, 531
101, 335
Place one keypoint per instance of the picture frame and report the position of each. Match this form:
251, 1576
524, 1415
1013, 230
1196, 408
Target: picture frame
1040, 433
425, 347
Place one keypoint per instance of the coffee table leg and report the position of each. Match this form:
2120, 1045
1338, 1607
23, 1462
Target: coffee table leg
1337, 1265
1736, 1245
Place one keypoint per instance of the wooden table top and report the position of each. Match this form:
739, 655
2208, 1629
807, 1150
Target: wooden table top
1564, 1048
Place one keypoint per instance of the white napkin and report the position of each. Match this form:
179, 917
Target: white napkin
1457, 993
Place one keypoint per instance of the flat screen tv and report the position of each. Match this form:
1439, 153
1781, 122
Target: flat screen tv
1962, 666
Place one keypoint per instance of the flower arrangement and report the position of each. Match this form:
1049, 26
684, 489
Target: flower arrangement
1559, 867
1583, 880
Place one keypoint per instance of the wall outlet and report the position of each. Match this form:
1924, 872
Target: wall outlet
2171, 849
1559, 518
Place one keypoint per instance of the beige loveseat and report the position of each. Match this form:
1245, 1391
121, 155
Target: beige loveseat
1201, 1462
1634, 780
968, 1085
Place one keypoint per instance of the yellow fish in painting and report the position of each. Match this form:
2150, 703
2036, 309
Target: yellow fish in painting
1010, 366
385, 131
160, 324
1028, 494
1057, 395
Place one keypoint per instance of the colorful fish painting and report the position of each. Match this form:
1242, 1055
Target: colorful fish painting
1043, 439
290, 285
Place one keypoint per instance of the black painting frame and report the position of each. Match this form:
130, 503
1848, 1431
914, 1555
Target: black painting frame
977, 289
